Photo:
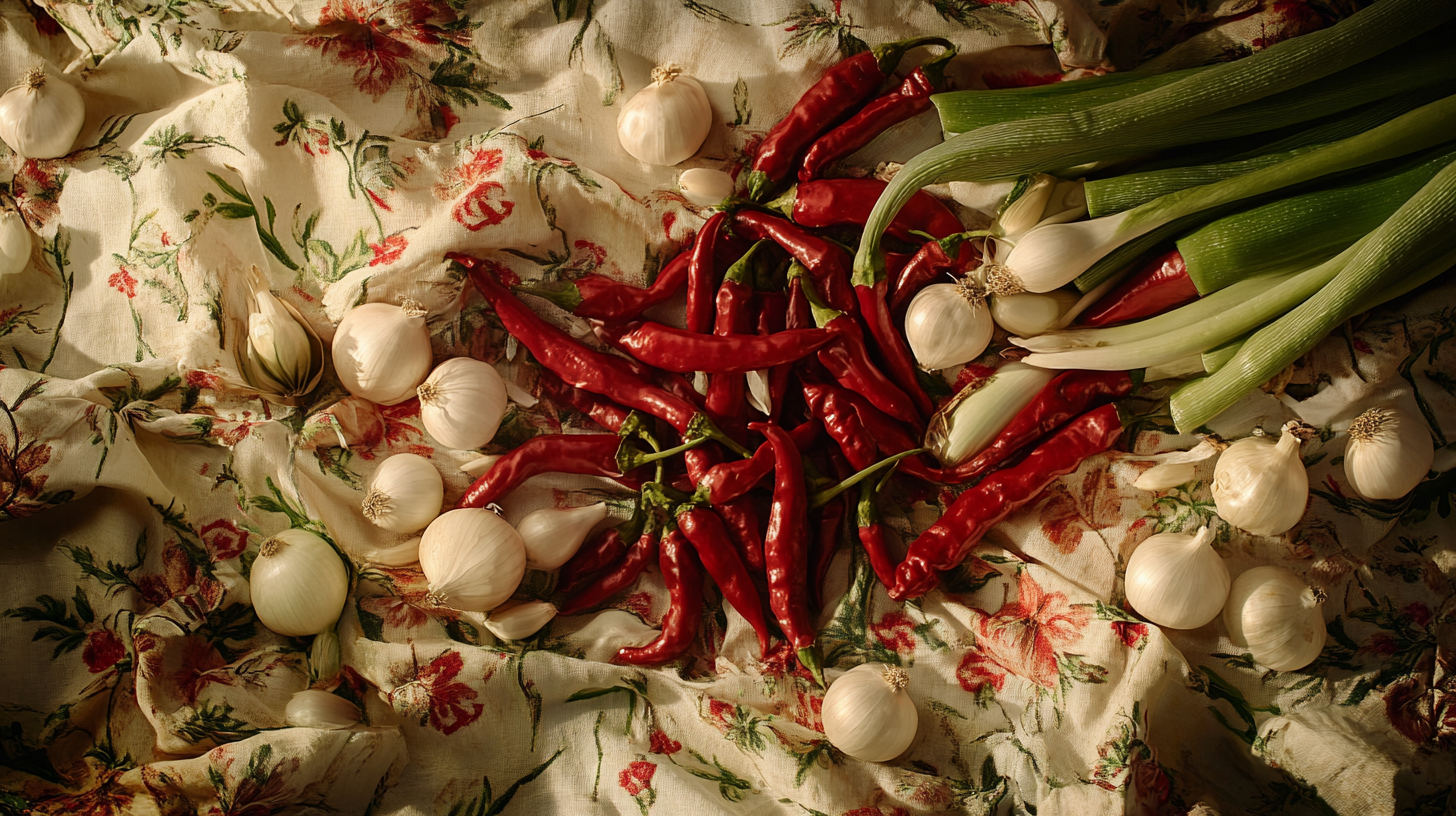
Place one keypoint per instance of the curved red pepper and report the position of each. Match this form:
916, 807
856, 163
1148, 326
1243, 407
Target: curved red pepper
945, 544
679, 350
772, 311
1161, 285
727, 481
785, 548
828, 263
848, 360
587, 454
872, 536
639, 555
603, 551
705, 530
741, 518
597, 296
899, 362
725, 398
848, 202
930, 264
606, 413
842, 422
683, 576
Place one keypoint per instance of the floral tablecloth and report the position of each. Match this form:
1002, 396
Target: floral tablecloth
343, 148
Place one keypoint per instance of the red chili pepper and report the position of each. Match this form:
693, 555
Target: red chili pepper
872, 535
741, 519
598, 296
831, 516
727, 481
725, 397
1161, 285
842, 88
785, 550
828, 263
713, 245
607, 414
705, 530
945, 544
847, 202
683, 576
588, 454
875, 314
673, 349
912, 98
772, 313
603, 551
841, 421
618, 578
931, 263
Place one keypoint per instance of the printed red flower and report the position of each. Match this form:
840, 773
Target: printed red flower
199, 667
379, 61
896, 631
663, 744
103, 650
183, 581
475, 209
976, 673
122, 281
201, 379
1061, 520
502, 273
408, 610
388, 250
223, 539
448, 119
1418, 613
591, 255
1149, 780
21, 483
1381, 643
109, 798
1132, 634
636, 778
639, 604
435, 695
1024, 635
1408, 706
721, 711
231, 433
809, 711
37, 191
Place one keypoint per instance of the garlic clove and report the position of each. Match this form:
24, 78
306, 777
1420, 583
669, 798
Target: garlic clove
325, 657
666, 122
705, 187
320, 709
41, 116
403, 554
283, 357
405, 494
1389, 453
1166, 476
15, 243
518, 621
478, 466
868, 715
551, 536
760, 395
382, 352
472, 559
1177, 580
947, 324
1277, 616
298, 584
462, 403
1261, 486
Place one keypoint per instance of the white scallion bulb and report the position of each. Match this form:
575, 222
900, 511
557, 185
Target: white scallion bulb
1260, 486
972, 418
1388, 454
462, 403
666, 122
15, 243
285, 357
519, 620
41, 116
1177, 580
382, 352
1277, 616
947, 324
472, 559
405, 494
320, 709
552, 535
298, 584
1052, 255
868, 715
704, 186
1029, 314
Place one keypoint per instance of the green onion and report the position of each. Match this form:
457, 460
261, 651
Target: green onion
1125, 257
1217, 357
1414, 244
1114, 195
1303, 228
1179, 369
967, 110
968, 423
1345, 124
1122, 128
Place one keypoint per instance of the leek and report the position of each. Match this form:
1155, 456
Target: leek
1414, 245
1112, 265
1124, 127
967, 110
1216, 358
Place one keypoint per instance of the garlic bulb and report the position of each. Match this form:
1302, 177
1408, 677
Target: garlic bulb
1260, 486
1029, 314
405, 494
1388, 454
947, 324
41, 117
1277, 616
284, 359
518, 621
705, 187
868, 715
462, 403
298, 583
472, 559
320, 709
15, 243
382, 352
667, 121
1177, 580
553, 535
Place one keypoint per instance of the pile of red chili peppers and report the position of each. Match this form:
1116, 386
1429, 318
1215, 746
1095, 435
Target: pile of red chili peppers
732, 482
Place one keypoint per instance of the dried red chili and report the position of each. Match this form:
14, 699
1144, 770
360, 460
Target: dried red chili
741, 519
872, 535
705, 530
587, 454
828, 263
673, 349
606, 413
727, 481
606, 549
931, 263
713, 246
1161, 285
683, 576
841, 421
619, 577
899, 362
725, 398
847, 202
785, 550
597, 296
826, 544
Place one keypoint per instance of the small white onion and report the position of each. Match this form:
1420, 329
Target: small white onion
15, 243
1277, 616
946, 325
462, 403
1029, 314
868, 715
298, 584
405, 494
666, 122
552, 535
518, 621
382, 352
1260, 486
704, 186
320, 709
1177, 580
472, 559
1388, 454
41, 116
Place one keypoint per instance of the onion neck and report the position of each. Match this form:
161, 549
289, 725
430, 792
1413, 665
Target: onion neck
35, 78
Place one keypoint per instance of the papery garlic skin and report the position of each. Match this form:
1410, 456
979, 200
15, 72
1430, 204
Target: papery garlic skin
320, 709
868, 715
946, 324
462, 403
298, 584
552, 535
1260, 486
472, 559
405, 494
704, 186
382, 352
1388, 454
666, 122
518, 621
15, 243
1177, 580
41, 116
1277, 616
